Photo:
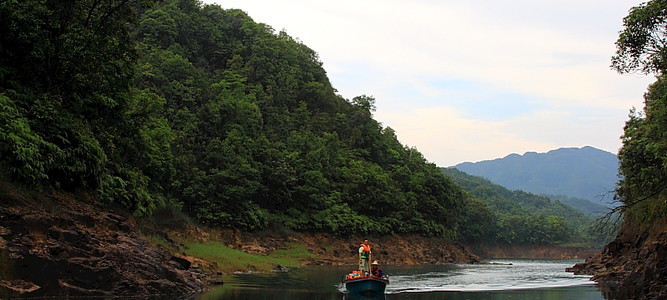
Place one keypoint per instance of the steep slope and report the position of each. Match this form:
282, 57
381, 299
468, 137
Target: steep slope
176, 103
587, 172
152, 104
633, 265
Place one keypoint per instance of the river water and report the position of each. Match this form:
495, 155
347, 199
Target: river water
507, 279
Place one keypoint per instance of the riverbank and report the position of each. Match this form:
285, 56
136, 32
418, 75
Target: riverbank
326, 249
55, 244
533, 252
632, 266
67, 245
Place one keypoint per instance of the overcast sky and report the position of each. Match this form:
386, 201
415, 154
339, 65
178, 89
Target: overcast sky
476, 79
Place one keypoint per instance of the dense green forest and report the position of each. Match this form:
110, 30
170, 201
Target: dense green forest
518, 217
182, 105
176, 105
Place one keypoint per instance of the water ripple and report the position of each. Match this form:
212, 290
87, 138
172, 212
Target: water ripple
521, 274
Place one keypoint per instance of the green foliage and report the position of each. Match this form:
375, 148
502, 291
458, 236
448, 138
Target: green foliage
643, 157
494, 214
184, 104
68, 111
20, 147
262, 137
644, 154
641, 45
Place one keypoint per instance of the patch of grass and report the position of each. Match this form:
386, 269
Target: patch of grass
157, 240
230, 260
293, 255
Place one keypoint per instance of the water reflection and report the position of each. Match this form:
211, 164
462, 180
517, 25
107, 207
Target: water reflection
522, 280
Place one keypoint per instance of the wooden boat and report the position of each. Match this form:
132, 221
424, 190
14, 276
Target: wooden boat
365, 285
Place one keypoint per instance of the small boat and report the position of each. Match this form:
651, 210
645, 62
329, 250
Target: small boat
360, 284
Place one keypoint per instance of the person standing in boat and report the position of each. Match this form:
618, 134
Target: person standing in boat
365, 255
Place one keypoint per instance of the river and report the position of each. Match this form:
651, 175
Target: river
508, 279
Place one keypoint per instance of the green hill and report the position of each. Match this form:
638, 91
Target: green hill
180, 105
585, 206
523, 218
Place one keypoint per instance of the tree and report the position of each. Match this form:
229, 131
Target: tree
365, 102
72, 118
641, 46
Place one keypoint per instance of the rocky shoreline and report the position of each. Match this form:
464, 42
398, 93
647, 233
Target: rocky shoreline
633, 266
54, 246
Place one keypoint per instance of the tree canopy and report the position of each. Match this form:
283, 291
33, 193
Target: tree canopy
642, 46
180, 104
177, 104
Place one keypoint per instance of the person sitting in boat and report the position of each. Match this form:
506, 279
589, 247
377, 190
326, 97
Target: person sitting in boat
365, 255
375, 269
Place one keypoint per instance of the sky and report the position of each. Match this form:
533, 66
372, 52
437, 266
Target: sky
466, 81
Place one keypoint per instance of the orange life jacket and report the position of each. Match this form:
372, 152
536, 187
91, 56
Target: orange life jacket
366, 251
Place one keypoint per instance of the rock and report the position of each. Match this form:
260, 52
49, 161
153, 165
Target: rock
19, 286
72, 249
633, 266
280, 269
183, 263
254, 249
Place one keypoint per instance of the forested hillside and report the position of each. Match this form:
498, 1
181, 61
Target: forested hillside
586, 173
521, 218
585, 206
180, 105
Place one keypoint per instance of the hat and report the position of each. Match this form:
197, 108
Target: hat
375, 263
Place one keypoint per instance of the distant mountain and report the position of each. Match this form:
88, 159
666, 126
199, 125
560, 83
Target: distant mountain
586, 173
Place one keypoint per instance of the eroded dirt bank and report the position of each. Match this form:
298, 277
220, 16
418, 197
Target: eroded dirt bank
60, 246
334, 250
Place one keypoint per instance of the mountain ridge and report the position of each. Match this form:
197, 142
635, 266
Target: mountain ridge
586, 172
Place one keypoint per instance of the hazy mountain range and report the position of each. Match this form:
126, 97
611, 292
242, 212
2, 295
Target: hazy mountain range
587, 172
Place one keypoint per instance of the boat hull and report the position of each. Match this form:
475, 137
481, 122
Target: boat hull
366, 286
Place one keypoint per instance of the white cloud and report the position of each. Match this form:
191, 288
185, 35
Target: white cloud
550, 58
442, 133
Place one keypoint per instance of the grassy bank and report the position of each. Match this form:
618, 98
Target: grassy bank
231, 260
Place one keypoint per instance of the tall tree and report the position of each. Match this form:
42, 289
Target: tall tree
68, 107
642, 46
